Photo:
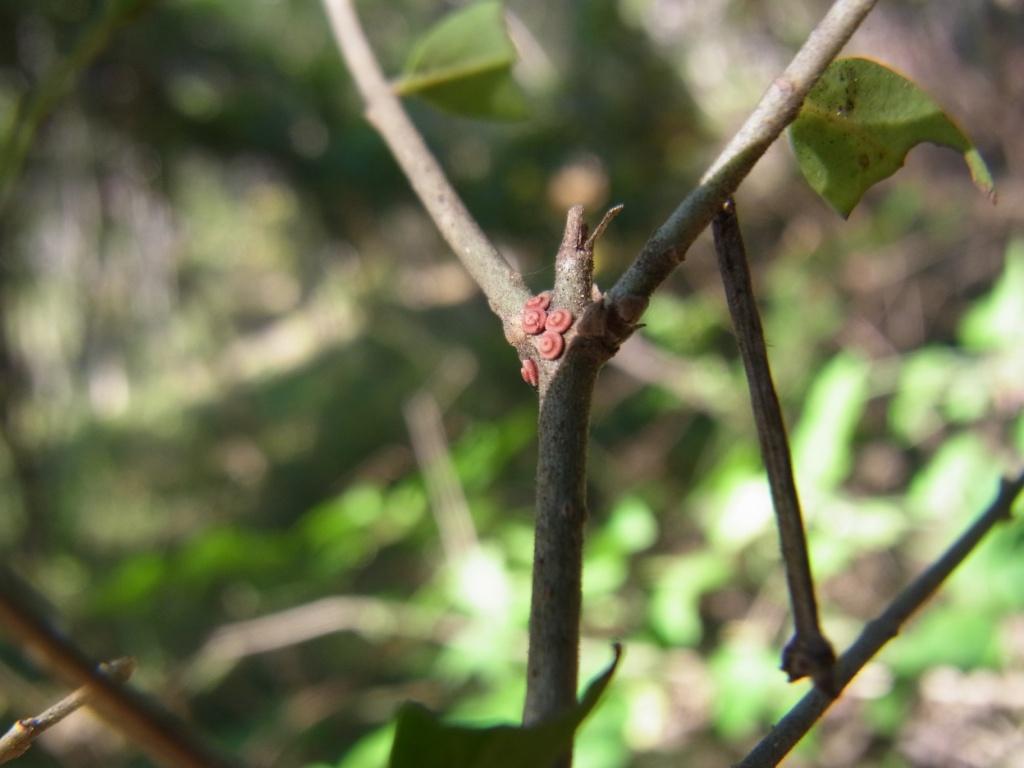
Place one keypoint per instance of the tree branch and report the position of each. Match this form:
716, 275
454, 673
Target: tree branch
566, 390
503, 286
778, 107
19, 737
809, 652
795, 725
154, 730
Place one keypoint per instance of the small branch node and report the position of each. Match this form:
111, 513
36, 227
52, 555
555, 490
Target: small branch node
808, 653
607, 219
630, 308
20, 736
811, 656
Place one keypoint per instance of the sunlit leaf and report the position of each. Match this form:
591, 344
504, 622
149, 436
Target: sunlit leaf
997, 321
464, 65
822, 442
944, 635
857, 125
371, 751
957, 481
422, 740
675, 601
132, 584
479, 584
923, 381
847, 529
631, 526
748, 687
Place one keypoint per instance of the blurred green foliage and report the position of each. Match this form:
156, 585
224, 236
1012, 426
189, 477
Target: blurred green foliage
218, 297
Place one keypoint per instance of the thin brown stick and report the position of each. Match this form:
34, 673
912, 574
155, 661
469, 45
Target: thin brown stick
154, 730
19, 737
502, 285
798, 721
665, 249
809, 652
447, 499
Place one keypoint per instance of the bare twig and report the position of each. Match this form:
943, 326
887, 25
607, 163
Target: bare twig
795, 725
19, 737
447, 500
602, 225
367, 616
778, 107
165, 739
809, 652
502, 285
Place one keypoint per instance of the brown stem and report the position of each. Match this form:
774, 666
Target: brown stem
566, 389
558, 541
799, 720
809, 652
778, 107
154, 730
19, 737
502, 285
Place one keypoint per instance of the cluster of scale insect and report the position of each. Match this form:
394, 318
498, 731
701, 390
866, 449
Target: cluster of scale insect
547, 327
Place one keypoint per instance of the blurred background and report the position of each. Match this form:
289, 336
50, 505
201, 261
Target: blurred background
260, 431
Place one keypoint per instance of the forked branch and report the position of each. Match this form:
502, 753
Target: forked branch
666, 248
154, 730
809, 652
795, 725
502, 285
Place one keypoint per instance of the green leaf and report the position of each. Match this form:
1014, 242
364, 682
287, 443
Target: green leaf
857, 125
996, 321
823, 439
748, 687
923, 383
423, 741
371, 751
675, 602
463, 64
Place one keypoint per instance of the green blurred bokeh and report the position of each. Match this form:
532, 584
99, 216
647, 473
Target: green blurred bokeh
261, 432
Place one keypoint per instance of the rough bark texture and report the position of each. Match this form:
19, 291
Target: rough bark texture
809, 652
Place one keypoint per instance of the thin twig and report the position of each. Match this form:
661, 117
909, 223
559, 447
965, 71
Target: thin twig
809, 652
447, 499
154, 730
369, 617
799, 720
609, 216
19, 737
502, 285
778, 107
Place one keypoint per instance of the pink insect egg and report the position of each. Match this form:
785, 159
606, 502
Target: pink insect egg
550, 345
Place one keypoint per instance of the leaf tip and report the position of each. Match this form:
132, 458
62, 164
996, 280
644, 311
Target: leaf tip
980, 174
